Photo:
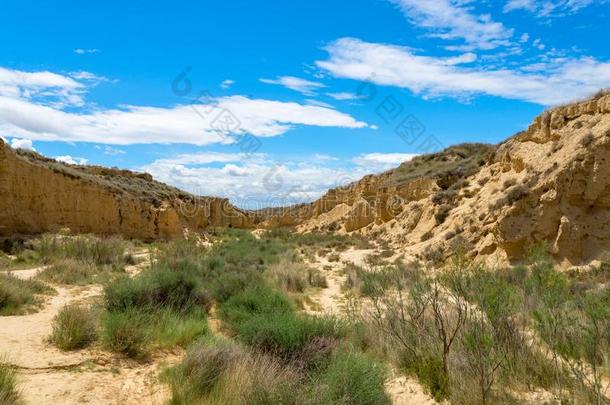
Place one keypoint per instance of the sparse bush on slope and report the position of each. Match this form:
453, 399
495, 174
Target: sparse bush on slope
18, 296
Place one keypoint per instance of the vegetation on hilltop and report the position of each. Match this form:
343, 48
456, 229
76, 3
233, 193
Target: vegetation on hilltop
446, 167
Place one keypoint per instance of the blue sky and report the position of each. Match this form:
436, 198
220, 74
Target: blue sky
273, 102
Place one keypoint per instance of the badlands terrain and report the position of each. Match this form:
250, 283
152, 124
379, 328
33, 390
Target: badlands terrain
478, 274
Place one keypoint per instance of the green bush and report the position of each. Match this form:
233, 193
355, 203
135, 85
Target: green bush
204, 365
8, 386
126, 332
156, 289
286, 334
430, 373
168, 329
228, 284
100, 251
352, 378
216, 371
256, 300
74, 327
18, 296
70, 271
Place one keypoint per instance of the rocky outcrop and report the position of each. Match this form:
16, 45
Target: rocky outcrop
39, 195
549, 184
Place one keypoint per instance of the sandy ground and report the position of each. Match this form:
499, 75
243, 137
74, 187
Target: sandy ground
47, 375
401, 389
25, 273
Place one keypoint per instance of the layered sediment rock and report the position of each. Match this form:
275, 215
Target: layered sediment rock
549, 184
39, 195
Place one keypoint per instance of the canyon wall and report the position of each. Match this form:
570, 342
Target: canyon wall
39, 195
549, 184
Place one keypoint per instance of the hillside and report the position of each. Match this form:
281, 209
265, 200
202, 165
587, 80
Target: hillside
38, 194
549, 184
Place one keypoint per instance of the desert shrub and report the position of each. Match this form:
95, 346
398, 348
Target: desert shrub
442, 197
587, 139
167, 329
179, 291
74, 327
426, 236
509, 182
9, 395
255, 300
324, 240
289, 276
205, 364
227, 284
218, 372
442, 213
516, 193
583, 341
100, 251
334, 257
70, 271
264, 318
285, 335
352, 276
126, 332
18, 296
5, 261
352, 378
26, 256
315, 278
429, 371
174, 254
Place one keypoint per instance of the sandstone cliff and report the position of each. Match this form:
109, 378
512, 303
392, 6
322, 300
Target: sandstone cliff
39, 195
549, 184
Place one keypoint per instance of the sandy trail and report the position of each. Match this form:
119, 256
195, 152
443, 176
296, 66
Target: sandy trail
24, 337
47, 375
402, 390
25, 273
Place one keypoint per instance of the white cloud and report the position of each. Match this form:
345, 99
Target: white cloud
91, 79
259, 181
344, 96
548, 8
303, 86
218, 121
538, 44
563, 81
82, 51
453, 19
46, 87
318, 103
110, 151
227, 83
324, 158
461, 59
253, 184
71, 160
201, 158
383, 161
525, 37
25, 144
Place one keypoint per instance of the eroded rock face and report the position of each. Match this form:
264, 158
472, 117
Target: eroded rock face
38, 196
548, 184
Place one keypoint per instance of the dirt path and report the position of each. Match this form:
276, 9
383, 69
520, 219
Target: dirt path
47, 375
24, 273
331, 300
